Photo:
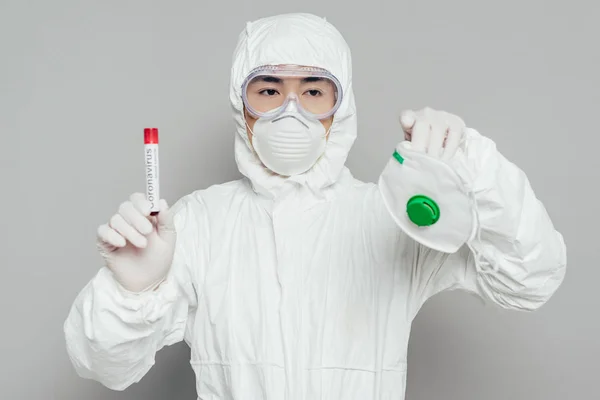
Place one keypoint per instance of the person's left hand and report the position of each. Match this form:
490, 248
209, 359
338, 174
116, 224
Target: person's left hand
436, 133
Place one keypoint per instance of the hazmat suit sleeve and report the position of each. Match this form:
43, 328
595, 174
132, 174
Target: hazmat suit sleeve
513, 257
112, 335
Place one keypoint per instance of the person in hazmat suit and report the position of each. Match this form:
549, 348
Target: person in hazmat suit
299, 281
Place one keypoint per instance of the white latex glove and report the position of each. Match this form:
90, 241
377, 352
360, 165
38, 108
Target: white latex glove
436, 133
137, 247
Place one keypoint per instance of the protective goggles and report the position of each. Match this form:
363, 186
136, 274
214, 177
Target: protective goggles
268, 91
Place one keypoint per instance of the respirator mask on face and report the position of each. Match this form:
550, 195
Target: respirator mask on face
289, 104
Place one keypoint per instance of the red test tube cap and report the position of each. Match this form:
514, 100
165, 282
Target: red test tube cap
150, 135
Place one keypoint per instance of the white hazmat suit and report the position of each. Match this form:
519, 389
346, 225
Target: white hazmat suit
306, 287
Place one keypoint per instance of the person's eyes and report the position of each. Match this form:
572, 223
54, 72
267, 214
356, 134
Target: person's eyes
268, 92
314, 92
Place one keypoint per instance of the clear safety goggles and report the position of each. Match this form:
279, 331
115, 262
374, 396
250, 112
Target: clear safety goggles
268, 91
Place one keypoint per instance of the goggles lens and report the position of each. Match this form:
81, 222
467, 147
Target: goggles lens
268, 91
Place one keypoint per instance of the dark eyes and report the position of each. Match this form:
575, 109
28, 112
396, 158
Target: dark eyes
269, 92
273, 92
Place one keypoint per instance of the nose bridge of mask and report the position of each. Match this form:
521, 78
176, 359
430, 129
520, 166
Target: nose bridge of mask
293, 107
285, 111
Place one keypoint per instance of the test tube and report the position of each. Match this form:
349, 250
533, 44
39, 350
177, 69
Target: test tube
152, 168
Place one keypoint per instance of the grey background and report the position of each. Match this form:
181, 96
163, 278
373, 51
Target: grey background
80, 79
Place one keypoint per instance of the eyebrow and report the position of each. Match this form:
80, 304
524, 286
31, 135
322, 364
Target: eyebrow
312, 79
273, 79
270, 79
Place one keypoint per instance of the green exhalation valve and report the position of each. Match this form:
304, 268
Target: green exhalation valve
422, 210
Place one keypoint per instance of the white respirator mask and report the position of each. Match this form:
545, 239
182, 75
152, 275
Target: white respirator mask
289, 144
430, 200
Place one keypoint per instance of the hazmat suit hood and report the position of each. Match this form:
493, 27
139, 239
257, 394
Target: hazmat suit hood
297, 39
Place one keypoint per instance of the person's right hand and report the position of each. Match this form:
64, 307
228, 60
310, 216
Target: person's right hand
137, 247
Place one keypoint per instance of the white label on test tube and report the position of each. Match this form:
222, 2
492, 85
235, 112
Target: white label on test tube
152, 168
